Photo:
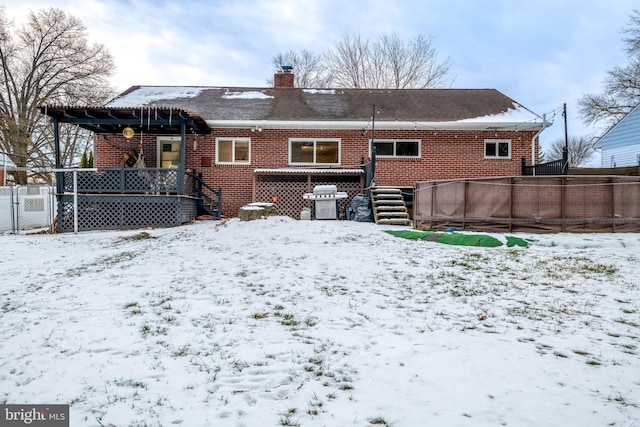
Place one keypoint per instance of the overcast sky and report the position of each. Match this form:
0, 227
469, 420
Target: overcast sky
541, 53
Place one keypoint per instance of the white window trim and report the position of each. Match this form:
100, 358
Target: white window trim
233, 151
315, 140
497, 156
159, 141
395, 141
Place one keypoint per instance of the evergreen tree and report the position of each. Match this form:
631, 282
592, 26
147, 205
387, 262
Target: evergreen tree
85, 159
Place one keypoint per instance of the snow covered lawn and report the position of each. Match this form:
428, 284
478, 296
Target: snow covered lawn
280, 322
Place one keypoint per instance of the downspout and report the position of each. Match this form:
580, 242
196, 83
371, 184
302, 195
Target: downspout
533, 142
181, 165
373, 147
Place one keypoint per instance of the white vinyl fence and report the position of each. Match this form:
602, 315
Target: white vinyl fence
26, 207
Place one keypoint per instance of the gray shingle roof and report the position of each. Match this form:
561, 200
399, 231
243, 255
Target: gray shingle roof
335, 105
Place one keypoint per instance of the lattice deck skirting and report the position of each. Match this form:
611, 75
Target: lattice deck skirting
118, 211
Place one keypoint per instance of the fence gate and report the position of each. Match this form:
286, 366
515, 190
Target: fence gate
26, 207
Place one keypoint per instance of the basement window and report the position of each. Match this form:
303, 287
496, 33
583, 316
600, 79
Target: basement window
233, 151
497, 148
314, 152
396, 148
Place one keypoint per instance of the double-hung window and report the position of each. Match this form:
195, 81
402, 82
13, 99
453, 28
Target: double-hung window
233, 150
314, 151
497, 148
396, 148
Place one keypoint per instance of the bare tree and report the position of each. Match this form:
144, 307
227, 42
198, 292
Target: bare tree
542, 157
350, 62
410, 64
74, 141
621, 87
47, 60
389, 62
580, 150
308, 68
633, 30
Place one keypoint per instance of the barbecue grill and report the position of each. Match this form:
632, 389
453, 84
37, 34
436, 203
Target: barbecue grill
326, 199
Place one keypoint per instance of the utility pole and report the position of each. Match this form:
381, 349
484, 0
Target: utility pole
373, 124
373, 148
565, 150
566, 137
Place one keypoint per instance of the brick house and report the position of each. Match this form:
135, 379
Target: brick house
264, 144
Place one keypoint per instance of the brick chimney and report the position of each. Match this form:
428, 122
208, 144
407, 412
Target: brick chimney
284, 77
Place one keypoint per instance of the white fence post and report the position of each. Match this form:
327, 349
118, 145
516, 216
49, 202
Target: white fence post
75, 191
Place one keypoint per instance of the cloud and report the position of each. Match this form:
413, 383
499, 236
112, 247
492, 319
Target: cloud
542, 54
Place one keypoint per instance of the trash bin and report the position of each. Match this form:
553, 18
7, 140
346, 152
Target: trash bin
361, 208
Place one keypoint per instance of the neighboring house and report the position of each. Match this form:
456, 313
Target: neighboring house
620, 145
274, 144
6, 168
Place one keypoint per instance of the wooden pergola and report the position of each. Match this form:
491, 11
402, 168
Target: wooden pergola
119, 197
110, 120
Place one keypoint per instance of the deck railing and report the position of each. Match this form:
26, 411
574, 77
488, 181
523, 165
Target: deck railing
124, 198
128, 181
556, 167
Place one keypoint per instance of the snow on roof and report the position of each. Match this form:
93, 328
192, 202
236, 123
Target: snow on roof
252, 94
145, 95
320, 91
517, 114
337, 108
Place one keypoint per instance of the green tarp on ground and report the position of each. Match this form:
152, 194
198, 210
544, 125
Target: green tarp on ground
459, 239
517, 241
410, 234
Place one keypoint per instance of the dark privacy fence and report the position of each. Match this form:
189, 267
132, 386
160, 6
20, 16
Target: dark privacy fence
536, 203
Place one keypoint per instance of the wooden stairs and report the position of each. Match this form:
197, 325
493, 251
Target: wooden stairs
388, 206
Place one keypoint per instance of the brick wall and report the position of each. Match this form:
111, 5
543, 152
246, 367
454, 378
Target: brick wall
445, 155
109, 149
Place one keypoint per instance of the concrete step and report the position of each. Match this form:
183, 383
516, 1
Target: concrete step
386, 190
394, 221
393, 214
387, 196
388, 203
381, 208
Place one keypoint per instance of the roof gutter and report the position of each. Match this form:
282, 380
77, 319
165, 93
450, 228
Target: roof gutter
545, 124
389, 125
